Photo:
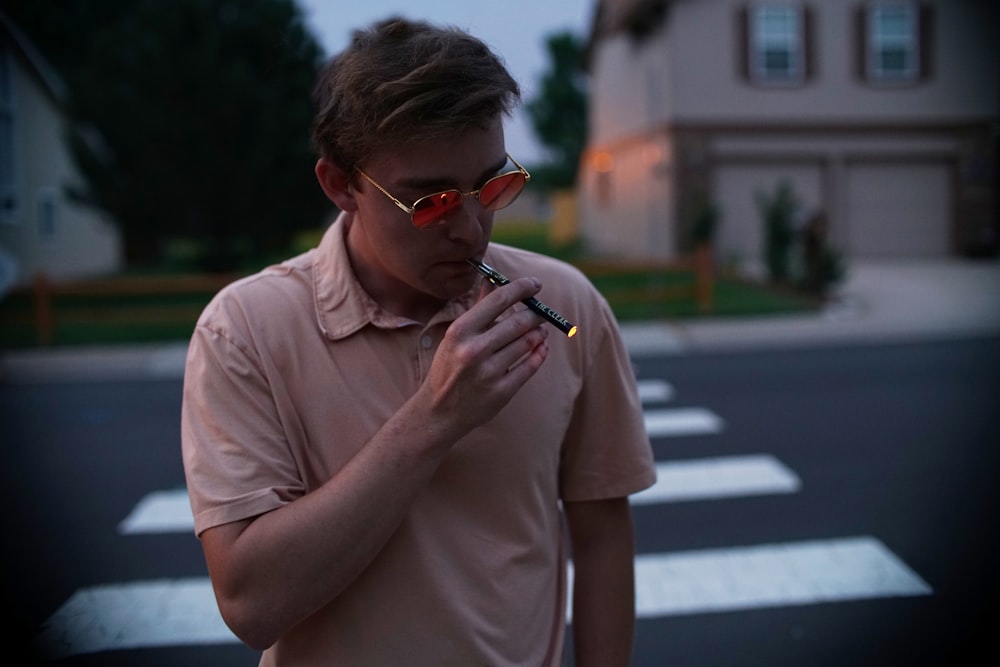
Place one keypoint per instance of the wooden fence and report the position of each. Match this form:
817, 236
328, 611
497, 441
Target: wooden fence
178, 299
145, 300
700, 288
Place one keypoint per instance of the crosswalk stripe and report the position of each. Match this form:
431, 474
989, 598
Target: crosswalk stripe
177, 612
138, 614
677, 422
770, 575
773, 575
718, 477
160, 512
654, 391
170, 511
676, 481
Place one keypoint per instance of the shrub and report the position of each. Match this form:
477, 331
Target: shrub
778, 212
704, 219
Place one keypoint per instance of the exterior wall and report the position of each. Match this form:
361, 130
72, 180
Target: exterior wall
707, 86
630, 89
867, 184
629, 193
627, 184
682, 87
46, 232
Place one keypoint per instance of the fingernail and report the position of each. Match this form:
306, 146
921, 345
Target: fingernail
537, 283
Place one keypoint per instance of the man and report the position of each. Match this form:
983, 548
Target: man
381, 448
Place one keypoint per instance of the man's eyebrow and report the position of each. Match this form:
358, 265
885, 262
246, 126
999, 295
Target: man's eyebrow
417, 182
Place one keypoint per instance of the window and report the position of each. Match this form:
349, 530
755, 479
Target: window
776, 44
8, 183
893, 40
48, 213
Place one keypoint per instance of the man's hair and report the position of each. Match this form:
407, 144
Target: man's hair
401, 81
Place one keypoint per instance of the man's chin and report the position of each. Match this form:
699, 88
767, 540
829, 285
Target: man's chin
454, 286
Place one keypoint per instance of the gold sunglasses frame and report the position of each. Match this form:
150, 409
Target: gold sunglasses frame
472, 193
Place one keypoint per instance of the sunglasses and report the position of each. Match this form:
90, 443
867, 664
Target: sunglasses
433, 210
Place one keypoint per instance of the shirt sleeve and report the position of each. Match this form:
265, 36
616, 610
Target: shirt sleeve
237, 461
606, 453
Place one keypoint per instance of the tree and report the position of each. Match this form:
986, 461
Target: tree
559, 112
189, 118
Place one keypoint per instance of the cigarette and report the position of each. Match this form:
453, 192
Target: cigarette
552, 316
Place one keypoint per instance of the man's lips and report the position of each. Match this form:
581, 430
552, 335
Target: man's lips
456, 266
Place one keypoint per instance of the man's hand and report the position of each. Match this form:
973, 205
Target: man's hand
486, 357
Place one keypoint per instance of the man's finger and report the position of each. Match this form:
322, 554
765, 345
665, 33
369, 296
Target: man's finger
502, 298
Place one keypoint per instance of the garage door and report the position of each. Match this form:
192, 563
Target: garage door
740, 234
898, 209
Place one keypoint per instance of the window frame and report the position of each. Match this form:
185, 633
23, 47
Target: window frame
10, 204
877, 42
795, 41
48, 211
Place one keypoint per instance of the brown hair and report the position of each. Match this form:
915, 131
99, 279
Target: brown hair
401, 81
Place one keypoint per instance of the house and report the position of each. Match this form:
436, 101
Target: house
41, 229
881, 115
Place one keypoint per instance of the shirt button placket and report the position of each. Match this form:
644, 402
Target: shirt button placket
425, 353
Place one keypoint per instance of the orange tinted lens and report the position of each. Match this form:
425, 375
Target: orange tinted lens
501, 190
432, 209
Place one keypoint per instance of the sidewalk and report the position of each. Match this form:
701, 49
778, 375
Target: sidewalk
890, 301
881, 302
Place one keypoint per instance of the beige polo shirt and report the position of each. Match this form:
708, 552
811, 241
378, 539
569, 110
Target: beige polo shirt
292, 370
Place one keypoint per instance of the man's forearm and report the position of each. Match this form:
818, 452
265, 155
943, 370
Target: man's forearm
287, 563
604, 617
603, 583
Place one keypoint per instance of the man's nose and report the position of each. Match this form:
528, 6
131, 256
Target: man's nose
465, 224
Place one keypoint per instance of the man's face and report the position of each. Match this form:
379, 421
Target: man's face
404, 267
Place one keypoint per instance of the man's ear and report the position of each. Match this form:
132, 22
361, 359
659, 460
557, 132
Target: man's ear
336, 185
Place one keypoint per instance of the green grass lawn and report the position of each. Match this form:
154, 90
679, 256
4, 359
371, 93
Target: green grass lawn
637, 294
80, 320
634, 294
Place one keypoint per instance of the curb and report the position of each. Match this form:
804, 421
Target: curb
162, 361
165, 361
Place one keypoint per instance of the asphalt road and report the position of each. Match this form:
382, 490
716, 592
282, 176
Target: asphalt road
895, 446
896, 442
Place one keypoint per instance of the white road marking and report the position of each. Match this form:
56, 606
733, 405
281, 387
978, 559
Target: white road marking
721, 477
676, 481
676, 422
138, 614
771, 575
178, 612
170, 511
655, 391
160, 512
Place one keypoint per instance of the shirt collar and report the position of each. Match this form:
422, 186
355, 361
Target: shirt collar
343, 307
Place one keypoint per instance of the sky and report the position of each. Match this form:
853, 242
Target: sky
515, 29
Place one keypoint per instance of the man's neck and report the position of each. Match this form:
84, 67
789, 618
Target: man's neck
388, 292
